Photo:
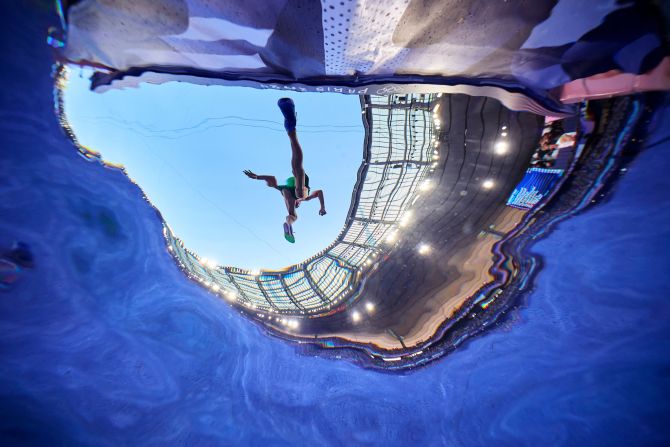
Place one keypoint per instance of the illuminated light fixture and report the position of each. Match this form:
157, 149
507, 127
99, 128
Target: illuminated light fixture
504, 127
406, 219
208, 263
215, 287
439, 95
504, 134
254, 272
437, 107
355, 316
425, 186
293, 324
436, 157
500, 147
392, 237
369, 307
435, 152
488, 184
424, 249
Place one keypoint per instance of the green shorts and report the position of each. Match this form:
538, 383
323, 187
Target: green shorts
290, 186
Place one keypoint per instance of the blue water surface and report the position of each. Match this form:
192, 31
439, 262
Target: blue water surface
105, 343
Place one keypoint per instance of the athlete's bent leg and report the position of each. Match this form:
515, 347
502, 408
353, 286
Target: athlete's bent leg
296, 164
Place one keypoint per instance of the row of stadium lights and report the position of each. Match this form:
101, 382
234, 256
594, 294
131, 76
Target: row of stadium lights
232, 296
500, 148
423, 248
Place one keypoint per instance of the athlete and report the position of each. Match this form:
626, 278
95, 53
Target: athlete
296, 190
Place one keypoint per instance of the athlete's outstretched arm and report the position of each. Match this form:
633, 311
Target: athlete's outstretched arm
316, 194
271, 180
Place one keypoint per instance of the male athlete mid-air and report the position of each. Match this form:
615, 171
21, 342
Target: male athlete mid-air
296, 190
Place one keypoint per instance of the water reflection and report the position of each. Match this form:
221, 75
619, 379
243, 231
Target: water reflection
399, 156
444, 181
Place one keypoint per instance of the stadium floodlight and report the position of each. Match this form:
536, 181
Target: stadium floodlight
501, 147
406, 219
424, 249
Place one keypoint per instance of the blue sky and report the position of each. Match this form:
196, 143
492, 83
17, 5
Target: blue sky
187, 145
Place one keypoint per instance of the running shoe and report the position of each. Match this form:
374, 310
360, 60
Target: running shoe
288, 233
287, 108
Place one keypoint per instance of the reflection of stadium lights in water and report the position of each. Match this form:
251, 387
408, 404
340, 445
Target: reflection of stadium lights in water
406, 219
488, 184
501, 147
369, 307
424, 249
392, 237
208, 263
355, 316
